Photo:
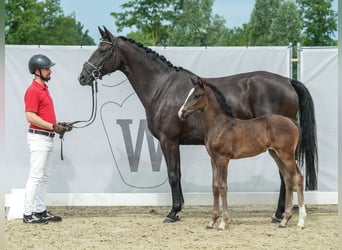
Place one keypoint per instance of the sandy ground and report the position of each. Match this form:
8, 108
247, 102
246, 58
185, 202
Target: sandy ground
142, 228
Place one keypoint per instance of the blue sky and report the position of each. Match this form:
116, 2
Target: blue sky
97, 13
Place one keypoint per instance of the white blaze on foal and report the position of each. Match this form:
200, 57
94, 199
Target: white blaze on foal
181, 108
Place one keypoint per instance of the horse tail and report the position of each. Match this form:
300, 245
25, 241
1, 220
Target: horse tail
307, 148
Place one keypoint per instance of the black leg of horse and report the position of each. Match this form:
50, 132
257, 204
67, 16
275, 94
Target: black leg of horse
278, 216
172, 158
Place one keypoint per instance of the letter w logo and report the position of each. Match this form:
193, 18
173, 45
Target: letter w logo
134, 155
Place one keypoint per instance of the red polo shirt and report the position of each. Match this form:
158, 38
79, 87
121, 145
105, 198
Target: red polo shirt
38, 100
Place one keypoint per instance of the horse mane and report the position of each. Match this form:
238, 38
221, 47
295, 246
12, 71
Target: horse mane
227, 110
151, 52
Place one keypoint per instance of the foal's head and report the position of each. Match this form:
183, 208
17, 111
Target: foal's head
196, 100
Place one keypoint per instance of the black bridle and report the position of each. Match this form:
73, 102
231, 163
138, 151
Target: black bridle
96, 74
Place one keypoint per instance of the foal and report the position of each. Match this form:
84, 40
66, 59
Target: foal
230, 138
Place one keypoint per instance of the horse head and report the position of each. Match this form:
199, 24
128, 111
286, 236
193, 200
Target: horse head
196, 99
102, 60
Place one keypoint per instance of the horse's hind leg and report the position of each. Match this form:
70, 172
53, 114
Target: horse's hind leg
216, 197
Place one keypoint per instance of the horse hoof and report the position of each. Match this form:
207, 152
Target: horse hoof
210, 225
171, 220
281, 225
275, 219
222, 226
300, 228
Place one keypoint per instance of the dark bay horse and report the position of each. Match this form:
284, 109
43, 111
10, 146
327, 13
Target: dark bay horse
162, 88
229, 138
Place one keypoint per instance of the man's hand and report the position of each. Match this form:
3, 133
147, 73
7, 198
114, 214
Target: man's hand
66, 125
62, 127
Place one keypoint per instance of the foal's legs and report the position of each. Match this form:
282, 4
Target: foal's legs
282, 194
297, 179
219, 171
278, 215
300, 193
291, 175
288, 179
222, 166
288, 198
216, 197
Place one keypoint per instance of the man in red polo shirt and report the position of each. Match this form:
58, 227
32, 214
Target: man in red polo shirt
40, 114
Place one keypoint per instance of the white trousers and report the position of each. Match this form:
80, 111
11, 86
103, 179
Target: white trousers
40, 147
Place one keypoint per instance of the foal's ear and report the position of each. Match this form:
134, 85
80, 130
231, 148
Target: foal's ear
193, 80
200, 82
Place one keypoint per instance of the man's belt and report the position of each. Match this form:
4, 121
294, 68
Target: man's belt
41, 132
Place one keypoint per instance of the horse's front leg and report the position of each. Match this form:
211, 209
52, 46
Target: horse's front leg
222, 166
216, 197
172, 158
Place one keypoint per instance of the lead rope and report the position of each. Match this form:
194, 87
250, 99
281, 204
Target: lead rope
88, 122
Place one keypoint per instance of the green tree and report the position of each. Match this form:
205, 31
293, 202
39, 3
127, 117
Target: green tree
263, 14
172, 22
238, 36
319, 22
148, 17
195, 25
42, 22
286, 26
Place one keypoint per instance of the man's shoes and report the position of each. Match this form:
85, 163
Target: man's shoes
45, 215
32, 219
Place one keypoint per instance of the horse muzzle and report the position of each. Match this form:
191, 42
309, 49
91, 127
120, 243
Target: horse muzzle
85, 80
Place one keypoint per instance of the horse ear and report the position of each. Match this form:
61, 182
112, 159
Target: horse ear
109, 35
102, 32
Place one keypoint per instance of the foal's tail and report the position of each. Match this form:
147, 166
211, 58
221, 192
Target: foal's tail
307, 148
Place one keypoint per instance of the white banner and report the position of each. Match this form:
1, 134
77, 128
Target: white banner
117, 154
320, 74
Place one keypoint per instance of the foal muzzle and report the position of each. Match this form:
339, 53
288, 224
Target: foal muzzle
183, 114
